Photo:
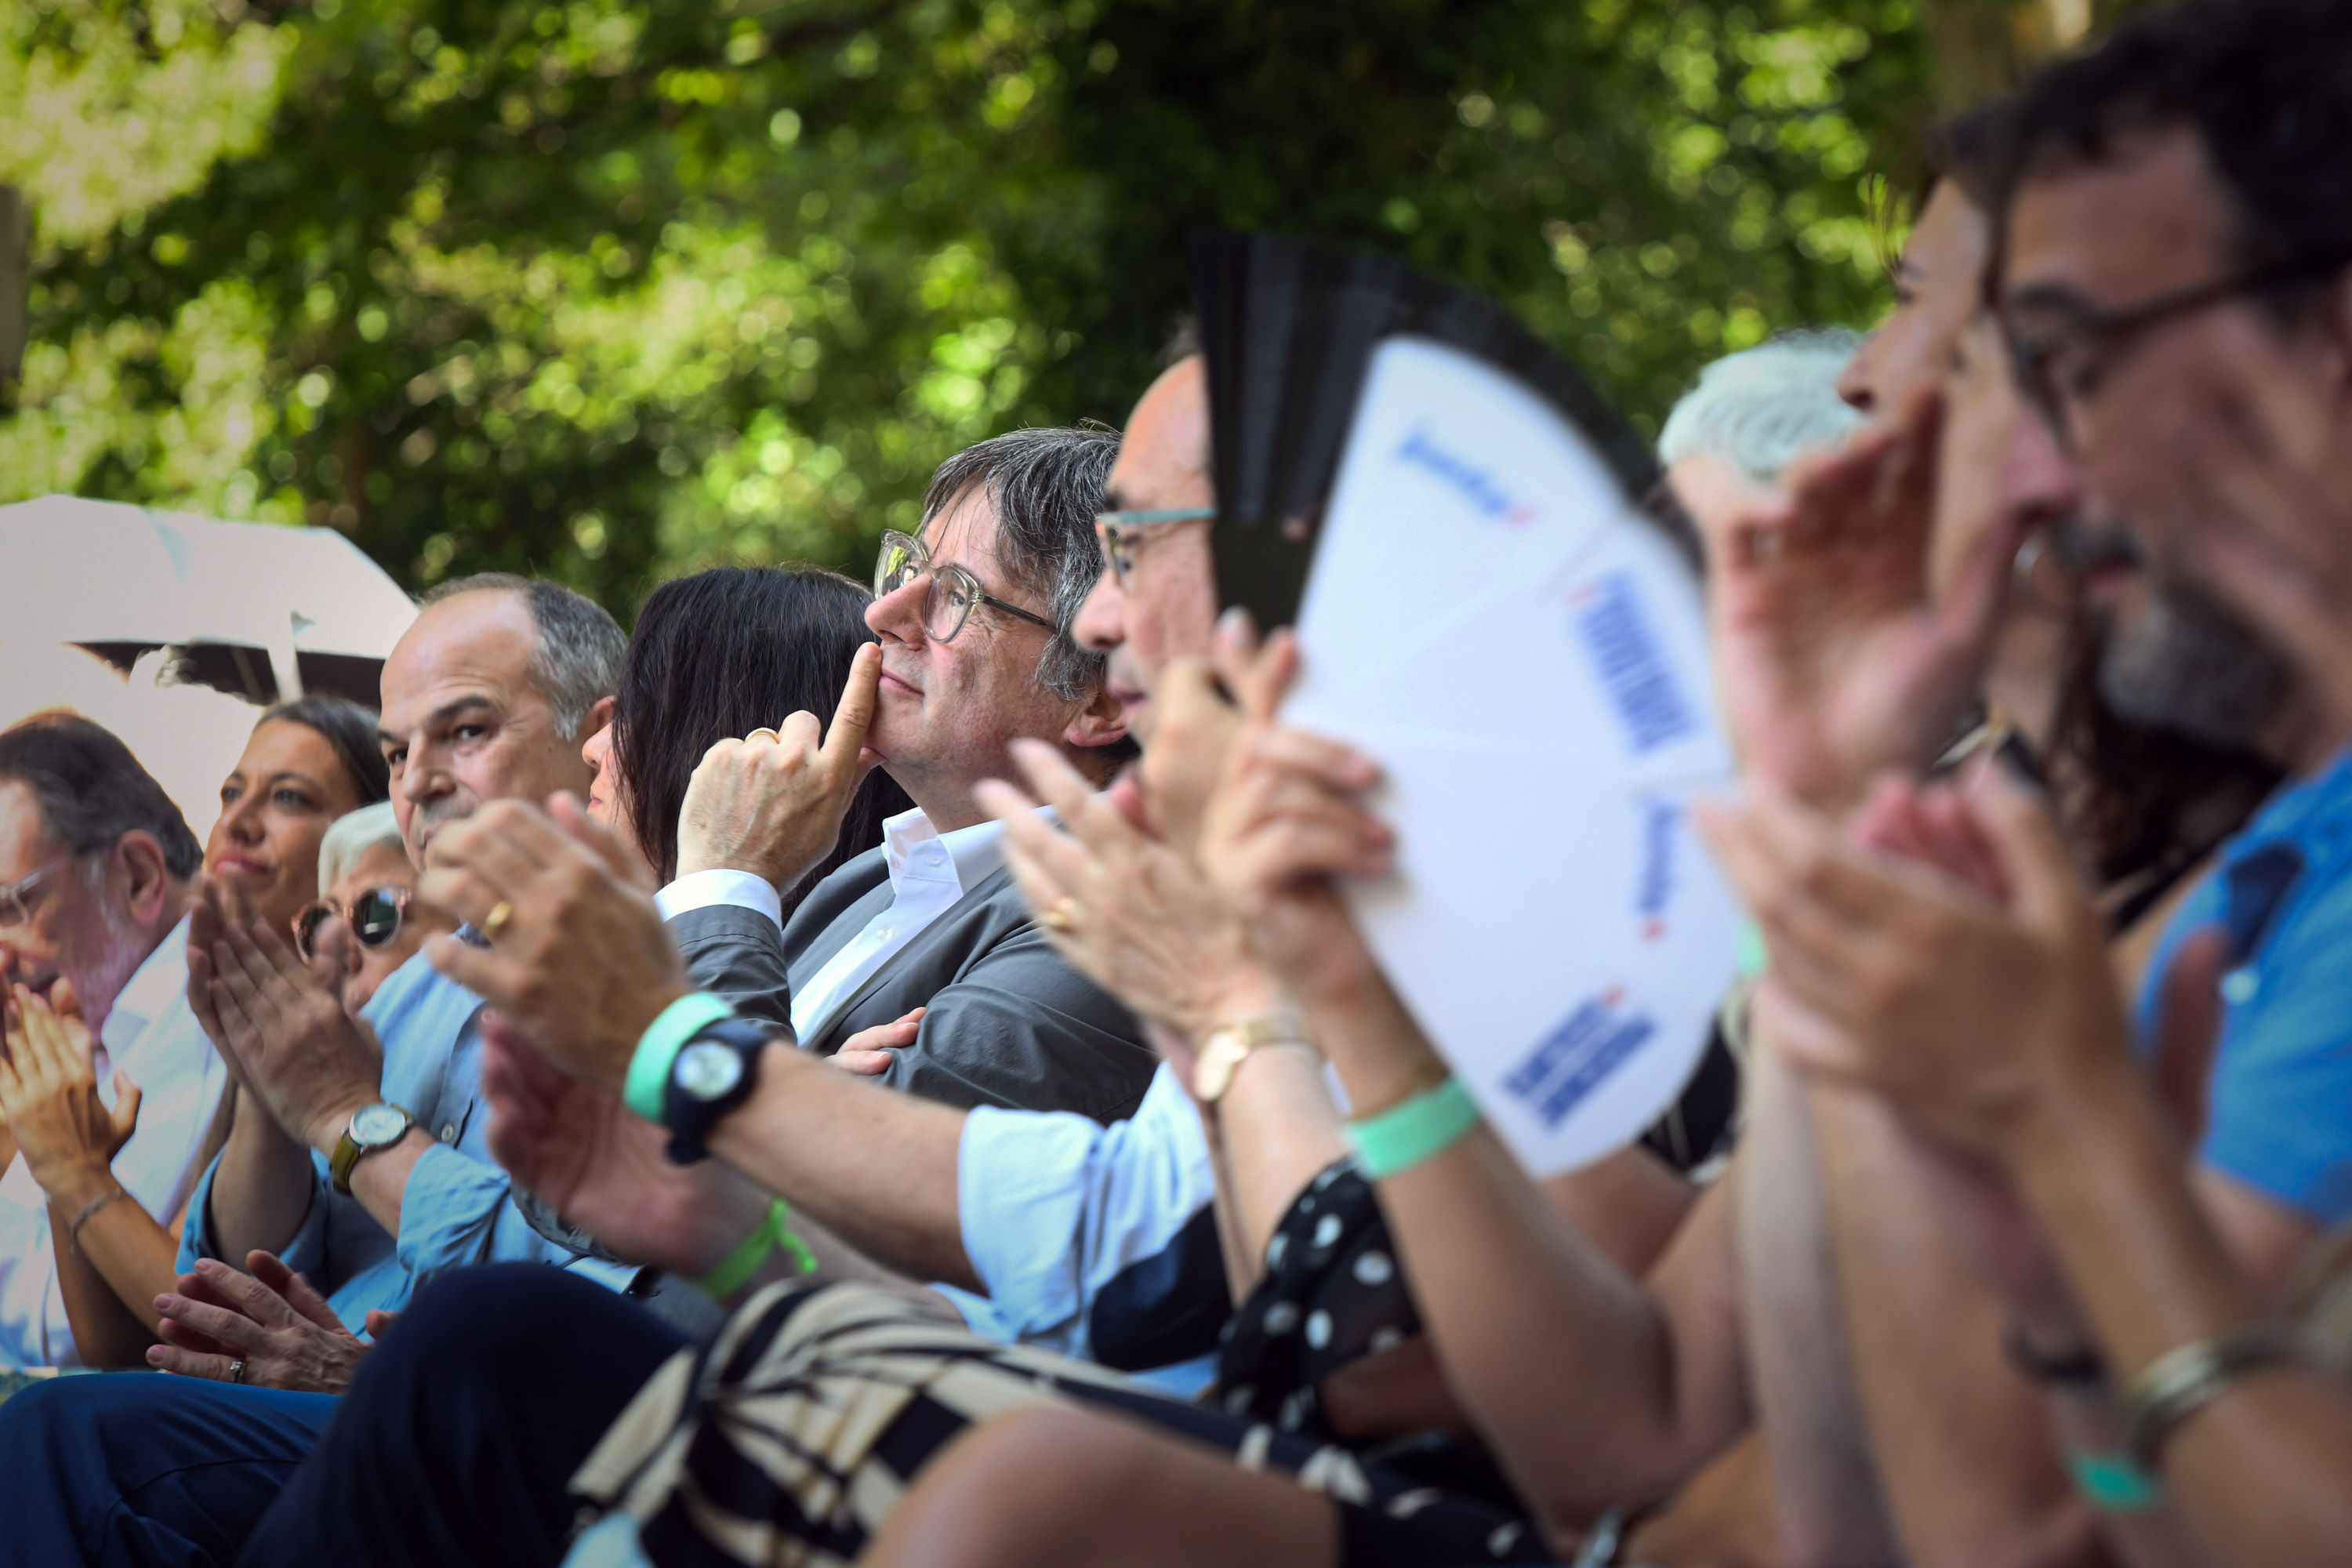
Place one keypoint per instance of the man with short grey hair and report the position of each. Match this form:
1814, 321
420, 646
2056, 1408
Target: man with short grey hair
974, 615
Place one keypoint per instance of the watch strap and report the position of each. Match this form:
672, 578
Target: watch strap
349, 1150
647, 1087
1230, 1044
691, 1118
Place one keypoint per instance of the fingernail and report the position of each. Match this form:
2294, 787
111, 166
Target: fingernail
154, 1355
164, 1303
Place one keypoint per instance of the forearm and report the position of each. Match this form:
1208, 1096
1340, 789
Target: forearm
380, 1180
2261, 1474
1278, 1130
877, 1169
1816, 1448
261, 1191
1574, 1373
1960, 1441
110, 1276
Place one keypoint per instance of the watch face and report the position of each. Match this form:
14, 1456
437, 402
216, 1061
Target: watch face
378, 1124
707, 1069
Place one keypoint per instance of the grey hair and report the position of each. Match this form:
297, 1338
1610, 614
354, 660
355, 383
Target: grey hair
1046, 487
351, 836
1763, 408
578, 661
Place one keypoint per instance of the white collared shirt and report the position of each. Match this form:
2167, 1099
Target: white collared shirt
929, 871
153, 1035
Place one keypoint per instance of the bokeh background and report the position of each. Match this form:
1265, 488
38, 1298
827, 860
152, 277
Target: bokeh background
607, 289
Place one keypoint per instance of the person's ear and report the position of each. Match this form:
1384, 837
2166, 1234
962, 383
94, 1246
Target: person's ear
598, 716
1102, 723
146, 880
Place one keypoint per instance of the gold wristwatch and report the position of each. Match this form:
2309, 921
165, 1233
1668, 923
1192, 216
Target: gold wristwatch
1229, 1045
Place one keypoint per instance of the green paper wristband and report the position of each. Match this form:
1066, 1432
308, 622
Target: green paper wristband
771, 1232
1421, 1129
648, 1081
2112, 1483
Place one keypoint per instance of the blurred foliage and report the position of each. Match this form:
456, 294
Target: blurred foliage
604, 289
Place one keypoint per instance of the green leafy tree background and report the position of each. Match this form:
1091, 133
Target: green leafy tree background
609, 289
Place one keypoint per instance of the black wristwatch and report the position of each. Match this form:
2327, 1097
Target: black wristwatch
713, 1072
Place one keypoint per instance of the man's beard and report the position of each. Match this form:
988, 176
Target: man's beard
2191, 665
99, 978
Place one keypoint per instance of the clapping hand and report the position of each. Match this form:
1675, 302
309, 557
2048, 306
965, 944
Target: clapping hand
48, 1093
580, 962
1831, 658
268, 1328
772, 802
1126, 911
279, 1023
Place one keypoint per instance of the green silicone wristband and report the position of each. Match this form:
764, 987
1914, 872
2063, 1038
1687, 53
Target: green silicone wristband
771, 1232
648, 1081
1421, 1129
2112, 1483
1753, 958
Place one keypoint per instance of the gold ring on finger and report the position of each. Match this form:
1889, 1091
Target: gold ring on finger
496, 922
763, 732
1062, 917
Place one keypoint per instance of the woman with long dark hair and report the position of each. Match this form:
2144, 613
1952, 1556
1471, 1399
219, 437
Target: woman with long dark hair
713, 658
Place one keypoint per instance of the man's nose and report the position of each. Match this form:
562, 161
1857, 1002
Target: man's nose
898, 614
1100, 623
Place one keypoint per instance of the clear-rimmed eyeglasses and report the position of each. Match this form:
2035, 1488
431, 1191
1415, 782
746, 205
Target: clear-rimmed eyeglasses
1120, 532
953, 590
13, 909
375, 917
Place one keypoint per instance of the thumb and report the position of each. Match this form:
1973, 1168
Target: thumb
2032, 858
127, 1096
378, 1320
844, 739
64, 1000
2188, 1026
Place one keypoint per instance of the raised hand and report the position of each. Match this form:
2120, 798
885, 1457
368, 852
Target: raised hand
1127, 912
577, 1148
1288, 816
1977, 1020
48, 1093
1832, 659
272, 1319
772, 803
281, 1026
582, 962
1204, 705
868, 1052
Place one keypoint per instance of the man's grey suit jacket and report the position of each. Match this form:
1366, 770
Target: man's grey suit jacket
1010, 1022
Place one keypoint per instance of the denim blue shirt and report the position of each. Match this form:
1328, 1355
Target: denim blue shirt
2281, 1115
458, 1207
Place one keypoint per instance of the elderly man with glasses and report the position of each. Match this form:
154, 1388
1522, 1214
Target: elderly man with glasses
973, 613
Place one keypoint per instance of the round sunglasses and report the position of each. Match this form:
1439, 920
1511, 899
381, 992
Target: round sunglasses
375, 917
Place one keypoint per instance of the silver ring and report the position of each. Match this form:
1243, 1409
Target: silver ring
237, 1370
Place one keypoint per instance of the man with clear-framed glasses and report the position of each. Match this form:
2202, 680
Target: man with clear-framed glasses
973, 611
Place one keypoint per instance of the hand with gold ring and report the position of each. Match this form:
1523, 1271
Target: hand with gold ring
771, 804
1128, 912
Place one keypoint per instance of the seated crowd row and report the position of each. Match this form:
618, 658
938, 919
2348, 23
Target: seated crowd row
889, 1077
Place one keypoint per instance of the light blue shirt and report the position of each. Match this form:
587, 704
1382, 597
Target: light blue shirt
2280, 1113
458, 1207
1098, 1242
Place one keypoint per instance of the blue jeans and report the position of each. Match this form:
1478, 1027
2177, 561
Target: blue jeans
143, 1469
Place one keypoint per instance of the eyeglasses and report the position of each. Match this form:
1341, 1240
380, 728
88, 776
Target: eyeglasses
2062, 367
375, 917
14, 910
953, 590
1122, 531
